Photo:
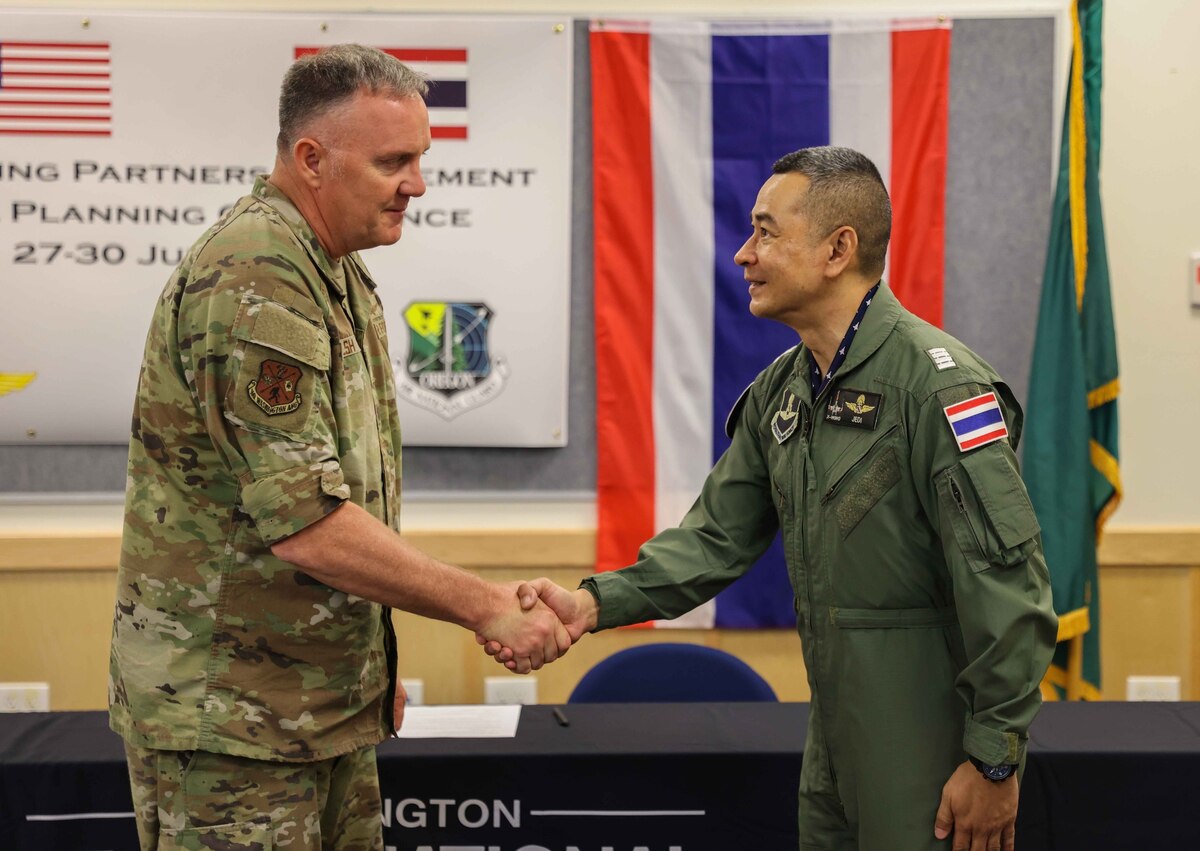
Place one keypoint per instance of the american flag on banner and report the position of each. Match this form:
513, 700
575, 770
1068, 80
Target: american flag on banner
55, 88
446, 69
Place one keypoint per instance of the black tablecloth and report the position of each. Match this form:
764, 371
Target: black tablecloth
655, 777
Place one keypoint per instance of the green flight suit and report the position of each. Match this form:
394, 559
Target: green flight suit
921, 594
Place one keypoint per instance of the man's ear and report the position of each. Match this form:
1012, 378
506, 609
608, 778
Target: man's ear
843, 251
311, 161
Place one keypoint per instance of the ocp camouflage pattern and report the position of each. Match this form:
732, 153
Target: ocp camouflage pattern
200, 801
265, 399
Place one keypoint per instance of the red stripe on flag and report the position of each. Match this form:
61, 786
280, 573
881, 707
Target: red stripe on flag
984, 438
95, 89
58, 45
427, 54
920, 124
4, 132
40, 74
409, 54
95, 103
448, 132
4, 116
624, 296
971, 403
58, 60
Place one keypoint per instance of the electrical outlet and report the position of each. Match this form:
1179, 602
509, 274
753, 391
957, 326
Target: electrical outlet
415, 689
510, 690
1152, 688
24, 697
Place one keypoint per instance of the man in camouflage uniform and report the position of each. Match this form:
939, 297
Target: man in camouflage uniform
253, 660
883, 449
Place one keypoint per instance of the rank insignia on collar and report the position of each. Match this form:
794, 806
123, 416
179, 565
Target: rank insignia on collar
786, 418
854, 408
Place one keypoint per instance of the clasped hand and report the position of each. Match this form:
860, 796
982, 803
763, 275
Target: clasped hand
573, 612
528, 630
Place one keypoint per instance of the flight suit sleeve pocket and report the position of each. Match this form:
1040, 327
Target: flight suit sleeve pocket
283, 356
994, 523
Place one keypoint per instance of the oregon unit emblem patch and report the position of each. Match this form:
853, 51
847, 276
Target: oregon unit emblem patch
449, 368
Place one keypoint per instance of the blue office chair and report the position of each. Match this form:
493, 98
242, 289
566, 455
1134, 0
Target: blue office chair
671, 673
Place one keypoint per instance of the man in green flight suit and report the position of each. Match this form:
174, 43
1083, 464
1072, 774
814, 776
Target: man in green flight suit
253, 665
883, 449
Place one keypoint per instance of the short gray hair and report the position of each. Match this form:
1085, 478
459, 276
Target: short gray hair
320, 82
844, 189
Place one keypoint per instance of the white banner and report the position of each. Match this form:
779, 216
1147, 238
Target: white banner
124, 136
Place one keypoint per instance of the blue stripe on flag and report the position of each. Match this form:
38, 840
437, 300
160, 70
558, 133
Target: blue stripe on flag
770, 96
975, 421
447, 93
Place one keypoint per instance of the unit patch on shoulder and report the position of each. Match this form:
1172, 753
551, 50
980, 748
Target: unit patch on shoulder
786, 418
941, 358
854, 408
976, 422
277, 388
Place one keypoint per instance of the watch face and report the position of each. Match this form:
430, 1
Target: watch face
994, 772
998, 772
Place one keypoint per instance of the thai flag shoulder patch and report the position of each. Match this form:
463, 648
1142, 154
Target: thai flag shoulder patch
976, 422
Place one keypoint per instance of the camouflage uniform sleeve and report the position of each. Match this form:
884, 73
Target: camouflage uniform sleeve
992, 547
256, 355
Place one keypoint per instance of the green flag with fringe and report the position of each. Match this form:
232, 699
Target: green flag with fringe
1071, 466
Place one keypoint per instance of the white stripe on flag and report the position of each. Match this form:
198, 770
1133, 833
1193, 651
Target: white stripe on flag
20, 67
860, 96
41, 108
64, 51
681, 146
73, 126
447, 116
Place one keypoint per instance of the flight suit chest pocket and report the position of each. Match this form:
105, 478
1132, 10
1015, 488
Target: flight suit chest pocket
986, 501
283, 356
866, 480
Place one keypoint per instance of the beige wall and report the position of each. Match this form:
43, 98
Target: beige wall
1150, 176
56, 595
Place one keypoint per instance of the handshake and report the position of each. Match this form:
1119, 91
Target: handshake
540, 625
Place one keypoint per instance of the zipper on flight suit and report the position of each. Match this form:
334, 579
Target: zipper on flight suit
842, 478
962, 509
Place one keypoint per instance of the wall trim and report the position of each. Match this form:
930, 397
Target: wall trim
532, 548
474, 548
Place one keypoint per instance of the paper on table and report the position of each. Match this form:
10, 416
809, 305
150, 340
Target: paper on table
460, 722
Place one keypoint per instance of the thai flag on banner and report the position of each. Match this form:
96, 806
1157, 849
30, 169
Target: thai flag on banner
53, 88
687, 121
446, 69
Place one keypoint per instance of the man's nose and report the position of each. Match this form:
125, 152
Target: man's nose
415, 186
745, 254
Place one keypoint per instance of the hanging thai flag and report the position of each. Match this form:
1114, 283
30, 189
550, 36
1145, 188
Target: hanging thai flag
687, 121
446, 70
53, 88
